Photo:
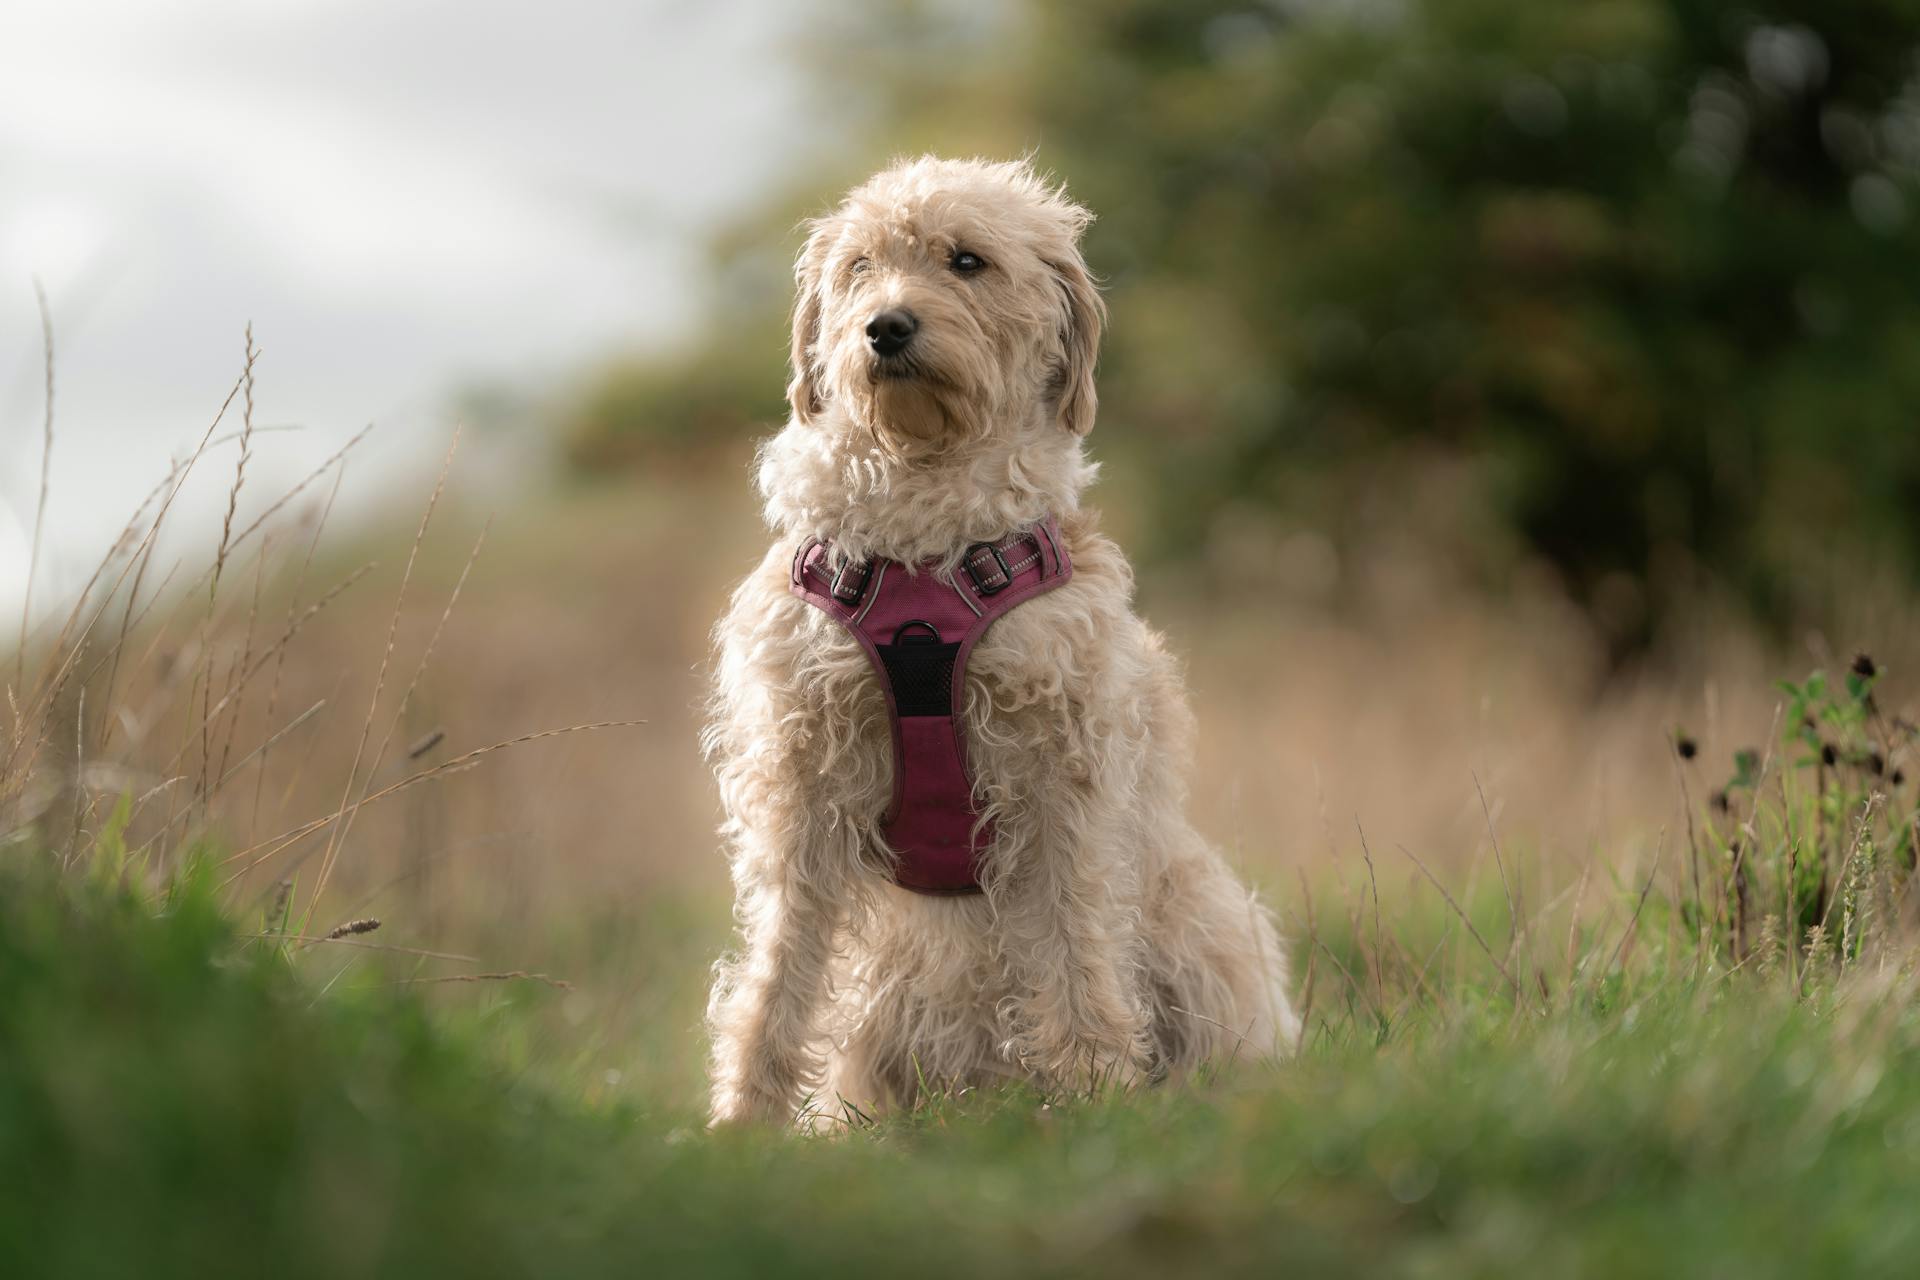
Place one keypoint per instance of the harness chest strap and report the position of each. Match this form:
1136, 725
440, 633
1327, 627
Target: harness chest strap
918, 628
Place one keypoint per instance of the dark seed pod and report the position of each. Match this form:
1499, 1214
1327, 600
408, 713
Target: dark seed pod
1828, 755
277, 913
1876, 763
1686, 746
1899, 778
1863, 666
1720, 802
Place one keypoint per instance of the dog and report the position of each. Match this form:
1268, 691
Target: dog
945, 332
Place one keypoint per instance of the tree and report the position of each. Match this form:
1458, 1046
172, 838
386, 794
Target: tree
1651, 266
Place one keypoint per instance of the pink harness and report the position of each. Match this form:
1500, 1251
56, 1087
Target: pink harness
918, 627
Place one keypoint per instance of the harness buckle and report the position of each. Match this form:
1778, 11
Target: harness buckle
850, 582
987, 567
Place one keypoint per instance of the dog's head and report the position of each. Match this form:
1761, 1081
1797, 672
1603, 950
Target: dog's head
944, 300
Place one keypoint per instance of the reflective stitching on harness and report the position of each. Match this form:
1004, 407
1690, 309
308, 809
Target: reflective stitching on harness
1013, 570
964, 597
872, 589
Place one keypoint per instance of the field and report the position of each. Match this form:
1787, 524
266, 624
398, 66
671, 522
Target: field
178, 1099
1588, 995
1509, 411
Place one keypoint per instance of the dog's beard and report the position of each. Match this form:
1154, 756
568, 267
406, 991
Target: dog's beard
914, 410
910, 410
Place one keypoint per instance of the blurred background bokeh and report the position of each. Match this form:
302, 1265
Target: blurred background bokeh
1492, 388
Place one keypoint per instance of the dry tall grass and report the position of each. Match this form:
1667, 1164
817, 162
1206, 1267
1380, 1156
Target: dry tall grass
323, 721
153, 720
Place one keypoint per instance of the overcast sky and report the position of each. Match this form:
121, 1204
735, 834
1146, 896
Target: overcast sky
403, 197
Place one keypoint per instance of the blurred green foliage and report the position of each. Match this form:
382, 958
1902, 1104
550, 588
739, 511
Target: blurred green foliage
647, 410
1648, 266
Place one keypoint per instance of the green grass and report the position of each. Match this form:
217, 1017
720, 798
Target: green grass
1699, 1056
176, 1099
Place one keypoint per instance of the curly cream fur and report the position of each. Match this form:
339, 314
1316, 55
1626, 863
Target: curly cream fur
1111, 939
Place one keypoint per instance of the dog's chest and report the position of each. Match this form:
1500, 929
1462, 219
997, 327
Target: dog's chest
939, 682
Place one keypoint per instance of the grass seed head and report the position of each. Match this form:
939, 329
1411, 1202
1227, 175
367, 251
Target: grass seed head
1769, 947
1819, 947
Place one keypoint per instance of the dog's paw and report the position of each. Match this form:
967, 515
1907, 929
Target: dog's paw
1091, 1061
740, 1107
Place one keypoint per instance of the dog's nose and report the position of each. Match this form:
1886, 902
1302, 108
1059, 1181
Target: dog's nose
890, 331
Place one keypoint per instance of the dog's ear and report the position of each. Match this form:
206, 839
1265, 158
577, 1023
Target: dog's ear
803, 393
1084, 318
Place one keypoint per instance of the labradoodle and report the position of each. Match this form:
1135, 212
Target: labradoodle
952, 758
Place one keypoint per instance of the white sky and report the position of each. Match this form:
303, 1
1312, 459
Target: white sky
402, 196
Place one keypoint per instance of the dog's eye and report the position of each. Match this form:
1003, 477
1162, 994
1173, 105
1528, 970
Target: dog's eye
967, 263
860, 266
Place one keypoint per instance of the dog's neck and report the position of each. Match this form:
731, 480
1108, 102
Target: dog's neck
826, 481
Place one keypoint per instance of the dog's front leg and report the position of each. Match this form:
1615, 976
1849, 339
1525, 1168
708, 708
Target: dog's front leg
766, 998
1077, 1015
